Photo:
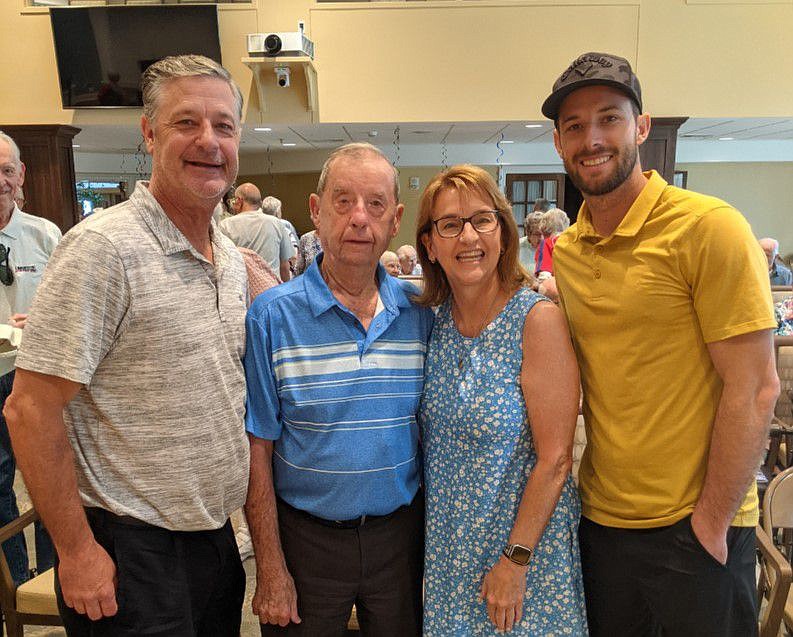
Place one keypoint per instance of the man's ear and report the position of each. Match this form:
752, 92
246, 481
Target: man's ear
643, 126
148, 133
21, 174
400, 209
313, 208
557, 143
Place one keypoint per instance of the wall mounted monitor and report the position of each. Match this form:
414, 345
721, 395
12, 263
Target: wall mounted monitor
102, 51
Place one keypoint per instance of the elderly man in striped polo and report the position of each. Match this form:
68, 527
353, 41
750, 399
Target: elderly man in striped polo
334, 505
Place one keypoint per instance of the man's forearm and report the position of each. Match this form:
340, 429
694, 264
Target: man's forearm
46, 460
260, 508
737, 443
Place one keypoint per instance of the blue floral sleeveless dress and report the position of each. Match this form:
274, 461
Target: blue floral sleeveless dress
478, 454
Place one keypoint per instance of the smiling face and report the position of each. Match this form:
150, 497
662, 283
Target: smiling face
357, 213
598, 137
12, 176
470, 258
194, 141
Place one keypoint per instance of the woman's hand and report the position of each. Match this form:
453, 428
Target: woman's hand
503, 589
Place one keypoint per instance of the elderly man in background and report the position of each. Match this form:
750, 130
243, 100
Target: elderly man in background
334, 505
647, 278
137, 361
408, 260
263, 233
26, 244
778, 272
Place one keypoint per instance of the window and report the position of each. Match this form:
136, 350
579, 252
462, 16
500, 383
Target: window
524, 189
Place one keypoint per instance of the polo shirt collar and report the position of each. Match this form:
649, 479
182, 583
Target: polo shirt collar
12, 228
171, 239
321, 299
636, 216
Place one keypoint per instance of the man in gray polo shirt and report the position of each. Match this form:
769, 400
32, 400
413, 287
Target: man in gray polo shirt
133, 354
264, 234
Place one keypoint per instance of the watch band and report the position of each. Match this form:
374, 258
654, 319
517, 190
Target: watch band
518, 554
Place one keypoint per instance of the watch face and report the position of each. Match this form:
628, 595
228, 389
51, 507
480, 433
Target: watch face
521, 554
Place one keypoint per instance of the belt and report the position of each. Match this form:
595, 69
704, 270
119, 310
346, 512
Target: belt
354, 523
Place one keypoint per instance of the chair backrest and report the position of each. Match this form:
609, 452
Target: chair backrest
778, 503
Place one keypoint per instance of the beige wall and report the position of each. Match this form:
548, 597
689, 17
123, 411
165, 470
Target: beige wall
465, 61
293, 190
763, 192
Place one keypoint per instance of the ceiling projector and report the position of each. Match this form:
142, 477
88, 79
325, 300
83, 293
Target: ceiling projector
282, 44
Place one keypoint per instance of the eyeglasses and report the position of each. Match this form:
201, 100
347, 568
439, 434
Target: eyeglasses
483, 222
6, 273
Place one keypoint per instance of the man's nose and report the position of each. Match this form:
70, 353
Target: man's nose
359, 216
207, 138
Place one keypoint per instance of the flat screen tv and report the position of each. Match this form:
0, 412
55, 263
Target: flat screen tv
102, 51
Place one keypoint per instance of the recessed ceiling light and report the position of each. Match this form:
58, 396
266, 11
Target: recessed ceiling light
726, 139
288, 144
533, 125
262, 129
507, 141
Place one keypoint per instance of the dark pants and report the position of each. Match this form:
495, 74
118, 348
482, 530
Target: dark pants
15, 548
377, 566
662, 582
170, 583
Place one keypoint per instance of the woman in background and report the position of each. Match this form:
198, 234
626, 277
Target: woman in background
497, 430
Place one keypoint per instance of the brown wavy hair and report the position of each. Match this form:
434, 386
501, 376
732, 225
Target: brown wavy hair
466, 178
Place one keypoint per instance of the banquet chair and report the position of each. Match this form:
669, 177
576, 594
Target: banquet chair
31, 603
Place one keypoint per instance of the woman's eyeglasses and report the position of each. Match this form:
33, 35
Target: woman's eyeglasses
6, 273
483, 222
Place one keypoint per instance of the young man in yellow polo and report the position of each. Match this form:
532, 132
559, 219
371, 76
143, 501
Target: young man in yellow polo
677, 371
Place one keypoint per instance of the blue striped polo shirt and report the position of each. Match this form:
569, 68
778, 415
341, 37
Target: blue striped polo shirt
340, 402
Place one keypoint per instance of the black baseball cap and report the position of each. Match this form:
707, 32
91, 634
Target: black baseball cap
589, 69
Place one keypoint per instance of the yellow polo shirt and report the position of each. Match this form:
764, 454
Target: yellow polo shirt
681, 270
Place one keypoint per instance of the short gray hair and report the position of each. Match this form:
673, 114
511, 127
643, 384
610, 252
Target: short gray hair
356, 150
532, 222
176, 66
271, 206
771, 243
13, 146
555, 220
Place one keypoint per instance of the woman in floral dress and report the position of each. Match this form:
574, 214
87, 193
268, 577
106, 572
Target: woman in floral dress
498, 416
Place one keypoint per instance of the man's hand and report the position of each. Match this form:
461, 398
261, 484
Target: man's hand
18, 320
88, 582
275, 599
714, 541
503, 589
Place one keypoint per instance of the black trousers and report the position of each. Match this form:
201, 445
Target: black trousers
663, 582
378, 567
174, 583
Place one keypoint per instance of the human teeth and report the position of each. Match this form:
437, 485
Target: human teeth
469, 256
596, 162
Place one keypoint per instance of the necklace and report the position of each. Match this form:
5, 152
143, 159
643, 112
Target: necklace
479, 329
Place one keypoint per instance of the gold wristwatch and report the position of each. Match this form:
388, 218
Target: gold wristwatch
518, 554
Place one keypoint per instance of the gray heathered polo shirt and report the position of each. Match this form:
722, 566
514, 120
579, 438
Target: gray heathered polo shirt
155, 334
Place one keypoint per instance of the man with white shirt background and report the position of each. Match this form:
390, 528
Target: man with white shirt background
26, 243
263, 233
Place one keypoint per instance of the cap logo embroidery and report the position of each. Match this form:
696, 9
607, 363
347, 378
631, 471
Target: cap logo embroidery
584, 64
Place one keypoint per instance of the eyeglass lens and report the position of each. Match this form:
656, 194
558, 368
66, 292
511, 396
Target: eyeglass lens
482, 222
6, 274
